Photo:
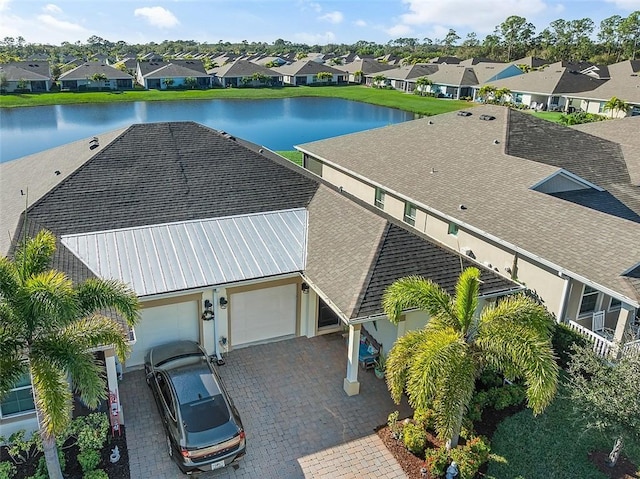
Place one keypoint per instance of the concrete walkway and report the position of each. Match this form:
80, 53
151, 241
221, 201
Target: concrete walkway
299, 421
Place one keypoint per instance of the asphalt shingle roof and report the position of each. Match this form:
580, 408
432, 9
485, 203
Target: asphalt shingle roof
88, 69
242, 68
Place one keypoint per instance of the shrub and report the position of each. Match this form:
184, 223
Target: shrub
41, 470
471, 456
21, 450
7, 470
564, 339
414, 437
506, 396
90, 431
97, 474
426, 419
435, 460
89, 460
392, 422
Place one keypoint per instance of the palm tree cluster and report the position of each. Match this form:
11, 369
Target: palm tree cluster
437, 366
48, 326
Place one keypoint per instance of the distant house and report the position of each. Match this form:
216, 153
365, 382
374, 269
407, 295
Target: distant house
399, 78
244, 73
269, 60
358, 69
305, 72
32, 76
82, 78
161, 75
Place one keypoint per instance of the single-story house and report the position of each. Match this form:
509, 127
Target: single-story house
82, 77
34, 76
358, 70
555, 209
244, 73
400, 77
225, 243
305, 72
162, 75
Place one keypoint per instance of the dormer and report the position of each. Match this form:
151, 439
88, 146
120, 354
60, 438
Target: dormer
562, 181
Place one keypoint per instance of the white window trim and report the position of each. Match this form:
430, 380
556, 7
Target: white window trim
614, 308
457, 228
596, 307
21, 413
379, 202
407, 209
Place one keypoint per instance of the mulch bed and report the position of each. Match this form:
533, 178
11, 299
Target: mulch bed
119, 470
624, 468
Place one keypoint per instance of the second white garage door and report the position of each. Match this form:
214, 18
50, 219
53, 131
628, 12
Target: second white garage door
163, 324
263, 314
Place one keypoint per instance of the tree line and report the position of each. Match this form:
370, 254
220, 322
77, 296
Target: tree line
616, 38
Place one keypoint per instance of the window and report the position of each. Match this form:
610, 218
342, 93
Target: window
380, 194
410, 213
453, 229
19, 399
589, 300
615, 304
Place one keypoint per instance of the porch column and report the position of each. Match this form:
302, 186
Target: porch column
112, 379
351, 385
624, 317
402, 328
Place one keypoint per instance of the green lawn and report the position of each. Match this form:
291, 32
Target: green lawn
295, 156
552, 445
548, 115
388, 98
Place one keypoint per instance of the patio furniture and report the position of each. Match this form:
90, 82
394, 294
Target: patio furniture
369, 350
597, 325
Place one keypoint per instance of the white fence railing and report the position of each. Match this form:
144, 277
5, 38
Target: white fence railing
632, 348
601, 346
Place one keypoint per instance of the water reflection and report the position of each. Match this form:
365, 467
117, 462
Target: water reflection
277, 124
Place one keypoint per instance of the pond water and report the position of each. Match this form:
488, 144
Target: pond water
277, 124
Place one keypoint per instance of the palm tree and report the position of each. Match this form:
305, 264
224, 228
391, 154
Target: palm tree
379, 81
616, 105
485, 92
438, 365
500, 94
98, 78
421, 85
47, 327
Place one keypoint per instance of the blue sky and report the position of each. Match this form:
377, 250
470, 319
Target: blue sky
306, 21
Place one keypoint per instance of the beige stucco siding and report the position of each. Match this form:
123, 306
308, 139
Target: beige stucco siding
349, 184
545, 282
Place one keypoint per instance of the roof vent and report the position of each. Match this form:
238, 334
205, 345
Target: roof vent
496, 142
430, 122
93, 144
57, 172
487, 117
464, 113
462, 207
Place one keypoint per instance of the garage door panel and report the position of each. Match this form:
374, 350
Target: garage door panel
163, 324
263, 314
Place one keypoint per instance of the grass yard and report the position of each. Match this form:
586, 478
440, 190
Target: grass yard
295, 156
548, 115
388, 98
552, 445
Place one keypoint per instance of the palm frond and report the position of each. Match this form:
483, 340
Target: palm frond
34, 255
47, 300
519, 309
97, 295
12, 365
466, 300
97, 331
399, 361
52, 396
9, 278
519, 350
415, 292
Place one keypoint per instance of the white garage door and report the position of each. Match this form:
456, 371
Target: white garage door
163, 324
263, 314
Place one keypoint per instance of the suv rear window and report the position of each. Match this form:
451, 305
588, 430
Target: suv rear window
206, 413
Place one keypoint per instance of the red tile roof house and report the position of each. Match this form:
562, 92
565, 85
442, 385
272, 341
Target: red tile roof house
268, 249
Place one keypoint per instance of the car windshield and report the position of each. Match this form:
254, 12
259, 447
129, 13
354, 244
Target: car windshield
202, 404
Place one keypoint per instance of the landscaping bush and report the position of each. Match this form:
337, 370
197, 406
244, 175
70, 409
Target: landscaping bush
436, 461
7, 470
97, 474
425, 419
90, 431
471, 457
563, 341
89, 460
506, 396
392, 422
414, 437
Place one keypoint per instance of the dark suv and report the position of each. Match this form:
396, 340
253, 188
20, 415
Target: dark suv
202, 426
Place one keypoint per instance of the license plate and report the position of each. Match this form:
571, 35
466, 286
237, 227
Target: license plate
217, 465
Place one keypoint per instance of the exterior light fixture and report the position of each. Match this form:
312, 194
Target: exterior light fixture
304, 287
223, 302
207, 313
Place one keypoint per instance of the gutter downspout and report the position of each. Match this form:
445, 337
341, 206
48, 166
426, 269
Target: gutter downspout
564, 299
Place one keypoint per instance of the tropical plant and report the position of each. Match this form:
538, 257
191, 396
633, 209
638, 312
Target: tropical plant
616, 105
190, 82
437, 366
4, 82
98, 78
606, 393
486, 92
48, 326
379, 81
500, 94
168, 82
421, 85
357, 76
325, 76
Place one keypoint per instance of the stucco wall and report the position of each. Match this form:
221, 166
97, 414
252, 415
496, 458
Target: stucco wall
349, 184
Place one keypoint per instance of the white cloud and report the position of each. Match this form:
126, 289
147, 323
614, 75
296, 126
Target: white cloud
4, 5
306, 5
157, 16
482, 17
51, 8
315, 39
332, 17
630, 5
360, 23
61, 25
399, 30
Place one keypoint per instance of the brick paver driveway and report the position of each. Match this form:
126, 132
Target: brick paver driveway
299, 421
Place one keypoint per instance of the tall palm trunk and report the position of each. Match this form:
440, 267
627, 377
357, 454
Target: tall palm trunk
455, 435
51, 456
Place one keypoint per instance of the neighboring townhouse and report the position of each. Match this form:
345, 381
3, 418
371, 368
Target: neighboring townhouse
224, 243
305, 72
445, 60
530, 63
270, 60
244, 73
83, 77
552, 207
358, 70
452, 81
34, 76
172, 74
400, 77
548, 87
623, 82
